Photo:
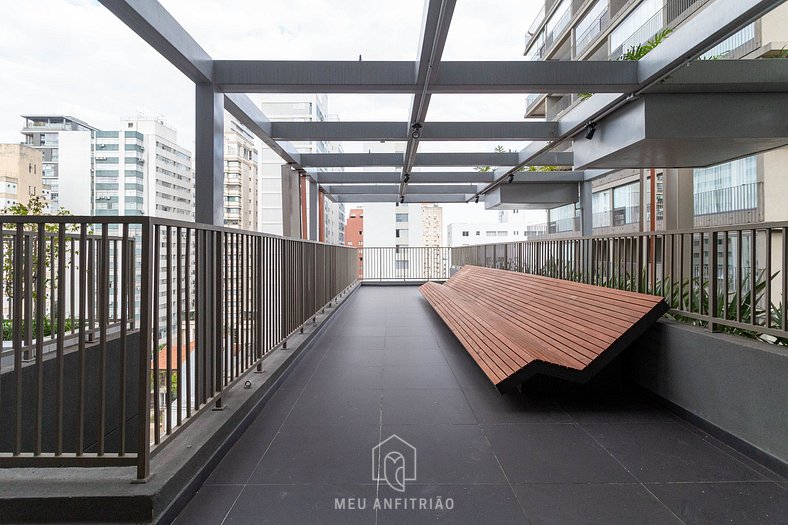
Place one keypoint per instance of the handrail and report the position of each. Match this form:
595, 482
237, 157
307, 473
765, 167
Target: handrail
171, 312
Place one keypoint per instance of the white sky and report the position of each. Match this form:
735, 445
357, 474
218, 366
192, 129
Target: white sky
74, 57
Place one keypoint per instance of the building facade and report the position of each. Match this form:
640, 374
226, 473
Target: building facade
471, 234
66, 145
295, 108
354, 236
241, 176
743, 191
20, 174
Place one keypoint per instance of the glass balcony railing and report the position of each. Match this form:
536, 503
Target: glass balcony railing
599, 24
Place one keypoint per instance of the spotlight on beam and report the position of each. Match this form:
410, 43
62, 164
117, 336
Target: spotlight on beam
402, 200
590, 130
511, 178
416, 133
477, 199
407, 178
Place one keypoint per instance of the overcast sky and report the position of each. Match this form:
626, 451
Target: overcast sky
73, 57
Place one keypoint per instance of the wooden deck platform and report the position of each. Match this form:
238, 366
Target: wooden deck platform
515, 325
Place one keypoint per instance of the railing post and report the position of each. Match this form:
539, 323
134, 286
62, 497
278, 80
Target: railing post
713, 300
146, 339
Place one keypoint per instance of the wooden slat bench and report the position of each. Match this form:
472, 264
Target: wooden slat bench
515, 325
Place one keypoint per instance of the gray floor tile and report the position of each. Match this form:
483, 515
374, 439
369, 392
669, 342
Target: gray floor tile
347, 377
330, 454
457, 454
413, 357
552, 453
399, 340
600, 503
471, 504
302, 504
399, 377
661, 452
702, 503
421, 406
489, 406
337, 405
210, 505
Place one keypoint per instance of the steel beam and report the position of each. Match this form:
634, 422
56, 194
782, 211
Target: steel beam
399, 131
246, 111
434, 30
487, 77
393, 177
409, 199
157, 27
350, 160
709, 27
384, 189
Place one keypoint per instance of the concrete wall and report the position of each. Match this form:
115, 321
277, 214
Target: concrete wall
736, 384
70, 404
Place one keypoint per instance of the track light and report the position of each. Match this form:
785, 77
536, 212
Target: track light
402, 200
407, 178
416, 133
477, 199
397, 204
590, 130
511, 178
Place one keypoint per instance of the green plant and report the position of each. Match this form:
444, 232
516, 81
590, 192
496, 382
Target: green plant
635, 53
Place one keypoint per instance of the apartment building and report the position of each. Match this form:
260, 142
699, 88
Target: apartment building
241, 176
66, 145
295, 108
20, 174
471, 234
743, 191
354, 236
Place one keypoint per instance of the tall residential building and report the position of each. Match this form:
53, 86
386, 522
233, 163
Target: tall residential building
354, 236
241, 204
432, 225
294, 108
20, 174
744, 191
66, 144
471, 234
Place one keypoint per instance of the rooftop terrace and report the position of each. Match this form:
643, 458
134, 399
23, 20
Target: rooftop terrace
386, 364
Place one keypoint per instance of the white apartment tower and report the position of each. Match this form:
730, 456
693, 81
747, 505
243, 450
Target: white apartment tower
241, 188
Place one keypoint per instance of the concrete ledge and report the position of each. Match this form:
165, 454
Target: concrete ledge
734, 388
107, 495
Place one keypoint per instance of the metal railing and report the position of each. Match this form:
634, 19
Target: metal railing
119, 330
672, 14
405, 263
730, 279
583, 40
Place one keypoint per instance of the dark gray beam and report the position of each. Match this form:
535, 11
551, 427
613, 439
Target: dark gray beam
266, 76
393, 177
410, 198
726, 76
707, 28
157, 27
351, 160
241, 107
384, 189
208, 156
400, 131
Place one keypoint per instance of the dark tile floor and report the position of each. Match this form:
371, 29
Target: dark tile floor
387, 365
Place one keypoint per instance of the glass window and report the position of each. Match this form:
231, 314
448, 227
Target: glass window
640, 25
626, 204
401, 217
726, 187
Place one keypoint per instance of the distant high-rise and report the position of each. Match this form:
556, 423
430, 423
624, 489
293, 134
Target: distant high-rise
66, 144
241, 176
294, 108
20, 174
354, 236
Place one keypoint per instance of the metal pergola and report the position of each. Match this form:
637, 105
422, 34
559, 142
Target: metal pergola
223, 84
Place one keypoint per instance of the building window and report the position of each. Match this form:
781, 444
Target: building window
401, 217
626, 204
465, 234
731, 186
478, 233
600, 206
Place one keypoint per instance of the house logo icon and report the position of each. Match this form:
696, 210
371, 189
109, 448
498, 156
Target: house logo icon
394, 461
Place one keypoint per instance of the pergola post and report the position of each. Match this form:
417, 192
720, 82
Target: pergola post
586, 211
209, 155
313, 209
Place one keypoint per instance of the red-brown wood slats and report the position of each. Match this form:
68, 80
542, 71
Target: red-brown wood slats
510, 322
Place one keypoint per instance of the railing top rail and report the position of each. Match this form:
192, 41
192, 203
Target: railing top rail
718, 229
142, 220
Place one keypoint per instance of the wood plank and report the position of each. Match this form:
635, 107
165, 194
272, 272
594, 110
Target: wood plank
508, 320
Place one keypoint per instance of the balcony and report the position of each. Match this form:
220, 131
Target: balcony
267, 376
